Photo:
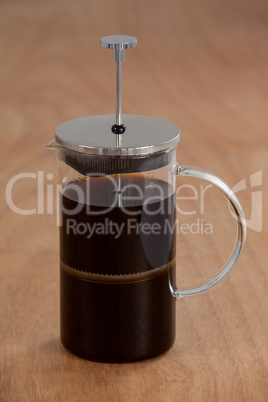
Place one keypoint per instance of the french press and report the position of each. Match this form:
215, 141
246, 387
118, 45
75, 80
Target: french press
118, 230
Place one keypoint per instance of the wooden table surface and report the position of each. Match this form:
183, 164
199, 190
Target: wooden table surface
201, 65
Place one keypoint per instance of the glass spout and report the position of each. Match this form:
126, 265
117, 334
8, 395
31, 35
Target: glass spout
49, 145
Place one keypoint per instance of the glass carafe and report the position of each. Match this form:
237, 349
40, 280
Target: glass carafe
118, 236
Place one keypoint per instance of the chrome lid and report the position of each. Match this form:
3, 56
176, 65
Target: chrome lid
144, 135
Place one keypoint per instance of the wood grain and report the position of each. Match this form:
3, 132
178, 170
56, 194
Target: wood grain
201, 65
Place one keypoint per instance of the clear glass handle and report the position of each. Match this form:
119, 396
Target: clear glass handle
241, 232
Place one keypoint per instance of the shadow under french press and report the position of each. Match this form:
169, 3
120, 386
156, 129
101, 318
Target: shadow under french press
55, 347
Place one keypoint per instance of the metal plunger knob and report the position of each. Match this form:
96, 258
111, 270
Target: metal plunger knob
118, 43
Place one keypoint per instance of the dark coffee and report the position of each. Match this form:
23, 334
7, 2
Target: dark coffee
117, 253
